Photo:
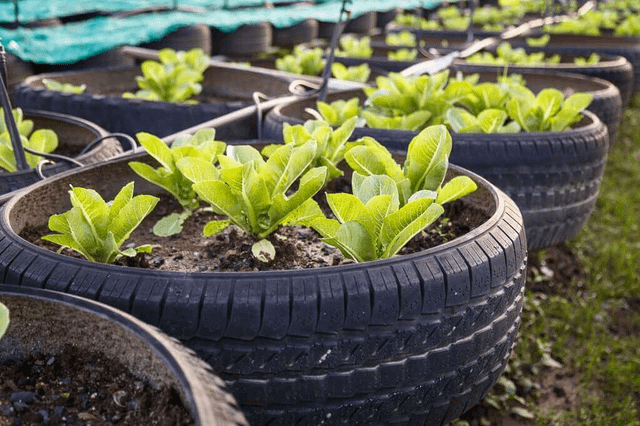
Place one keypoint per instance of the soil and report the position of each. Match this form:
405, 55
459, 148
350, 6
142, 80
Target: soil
230, 250
81, 388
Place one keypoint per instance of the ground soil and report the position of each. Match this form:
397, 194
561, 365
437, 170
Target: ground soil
78, 388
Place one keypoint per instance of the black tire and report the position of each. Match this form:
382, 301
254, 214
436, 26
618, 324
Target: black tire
302, 32
158, 357
185, 38
17, 70
246, 40
607, 103
413, 339
362, 24
383, 18
74, 134
554, 177
102, 105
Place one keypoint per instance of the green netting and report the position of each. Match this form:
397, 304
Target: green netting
76, 41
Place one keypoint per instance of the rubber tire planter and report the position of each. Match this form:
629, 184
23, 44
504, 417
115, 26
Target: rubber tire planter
412, 339
102, 103
93, 326
73, 134
554, 177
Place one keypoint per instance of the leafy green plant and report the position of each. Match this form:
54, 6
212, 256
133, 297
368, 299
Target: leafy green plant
168, 176
353, 47
390, 205
338, 112
63, 87
414, 21
629, 27
460, 23
548, 111
412, 121
176, 78
4, 319
254, 194
488, 121
96, 229
42, 140
302, 61
403, 55
593, 59
506, 55
359, 73
448, 12
538, 42
403, 38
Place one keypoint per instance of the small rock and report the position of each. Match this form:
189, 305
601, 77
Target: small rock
20, 406
118, 397
65, 381
138, 385
158, 261
26, 397
134, 404
45, 415
202, 268
6, 410
178, 257
59, 410
86, 416
51, 360
24, 381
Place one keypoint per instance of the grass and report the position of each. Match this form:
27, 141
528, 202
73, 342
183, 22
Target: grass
586, 331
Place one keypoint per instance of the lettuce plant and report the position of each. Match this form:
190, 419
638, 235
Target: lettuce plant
593, 59
488, 121
254, 194
359, 73
548, 111
384, 212
331, 144
176, 78
302, 61
414, 21
63, 87
353, 47
403, 38
4, 319
338, 112
42, 140
96, 229
506, 55
403, 55
168, 176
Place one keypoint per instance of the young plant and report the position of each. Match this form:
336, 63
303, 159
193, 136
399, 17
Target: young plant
168, 176
403, 38
538, 42
4, 319
96, 229
302, 61
331, 144
176, 78
403, 55
338, 112
42, 140
488, 121
63, 87
254, 194
593, 59
352, 47
414, 21
506, 55
359, 73
548, 111
384, 212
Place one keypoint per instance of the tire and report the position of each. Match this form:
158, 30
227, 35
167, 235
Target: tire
384, 18
302, 32
102, 105
246, 40
17, 70
607, 103
185, 38
158, 357
74, 134
554, 177
362, 24
412, 339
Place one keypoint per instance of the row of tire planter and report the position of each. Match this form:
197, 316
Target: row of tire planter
413, 339
554, 177
226, 88
74, 135
91, 326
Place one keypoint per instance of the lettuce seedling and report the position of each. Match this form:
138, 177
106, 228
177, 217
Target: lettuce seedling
488, 121
403, 55
359, 73
96, 229
331, 144
176, 78
538, 42
338, 112
593, 59
389, 204
413, 21
42, 140
403, 38
302, 61
506, 55
352, 47
168, 176
548, 111
424, 168
254, 194
411, 122
4, 319
63, 87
